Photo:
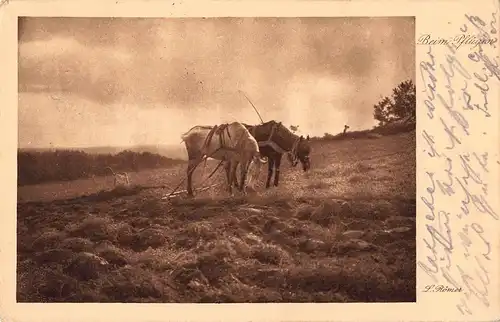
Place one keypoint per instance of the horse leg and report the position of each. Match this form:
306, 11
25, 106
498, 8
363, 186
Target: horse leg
243, 174
235, 179
194, 158
277, 165
270, 167
192, 164
227, 168
232, 175
252, 171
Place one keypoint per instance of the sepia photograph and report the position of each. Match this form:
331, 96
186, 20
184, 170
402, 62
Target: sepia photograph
216, 160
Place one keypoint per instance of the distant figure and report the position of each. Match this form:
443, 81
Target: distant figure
308, 137
120, 178
345, 129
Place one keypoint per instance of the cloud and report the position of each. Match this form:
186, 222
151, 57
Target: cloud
294, 69
65, 65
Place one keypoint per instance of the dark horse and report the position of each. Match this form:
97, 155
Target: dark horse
274, 140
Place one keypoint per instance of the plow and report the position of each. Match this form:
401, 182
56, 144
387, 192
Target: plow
176, 192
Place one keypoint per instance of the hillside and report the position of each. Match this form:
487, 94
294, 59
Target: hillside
343, 232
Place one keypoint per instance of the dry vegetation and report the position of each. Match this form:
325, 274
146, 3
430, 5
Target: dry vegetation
343, 232
35, 167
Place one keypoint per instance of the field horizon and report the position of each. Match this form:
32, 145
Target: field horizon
172, 151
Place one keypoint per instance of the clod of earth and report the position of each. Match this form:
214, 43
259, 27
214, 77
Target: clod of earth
399, 230
353, 233
86, 266
47, 240
54, 256
77, 244
354, 245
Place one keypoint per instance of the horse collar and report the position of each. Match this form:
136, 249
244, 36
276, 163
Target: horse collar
209, 137
273, 129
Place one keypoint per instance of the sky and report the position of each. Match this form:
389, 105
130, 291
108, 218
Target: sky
133, 81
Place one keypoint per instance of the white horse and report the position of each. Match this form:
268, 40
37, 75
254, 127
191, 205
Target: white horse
229, 143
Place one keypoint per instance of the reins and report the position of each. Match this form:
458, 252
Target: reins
277, 147
270, 142
255, 109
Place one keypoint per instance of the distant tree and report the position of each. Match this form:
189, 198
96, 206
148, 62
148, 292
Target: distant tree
328, 136
382, 111
404, 96
402, 104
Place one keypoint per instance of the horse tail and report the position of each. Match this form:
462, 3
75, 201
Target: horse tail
184, 136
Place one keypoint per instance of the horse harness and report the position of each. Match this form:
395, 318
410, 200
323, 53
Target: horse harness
275, 146
219, 130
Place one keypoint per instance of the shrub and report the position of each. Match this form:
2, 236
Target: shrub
35, 167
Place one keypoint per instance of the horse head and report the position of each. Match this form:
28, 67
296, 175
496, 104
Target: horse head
303, 151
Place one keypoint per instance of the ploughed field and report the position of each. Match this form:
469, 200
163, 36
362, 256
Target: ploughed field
343, 232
